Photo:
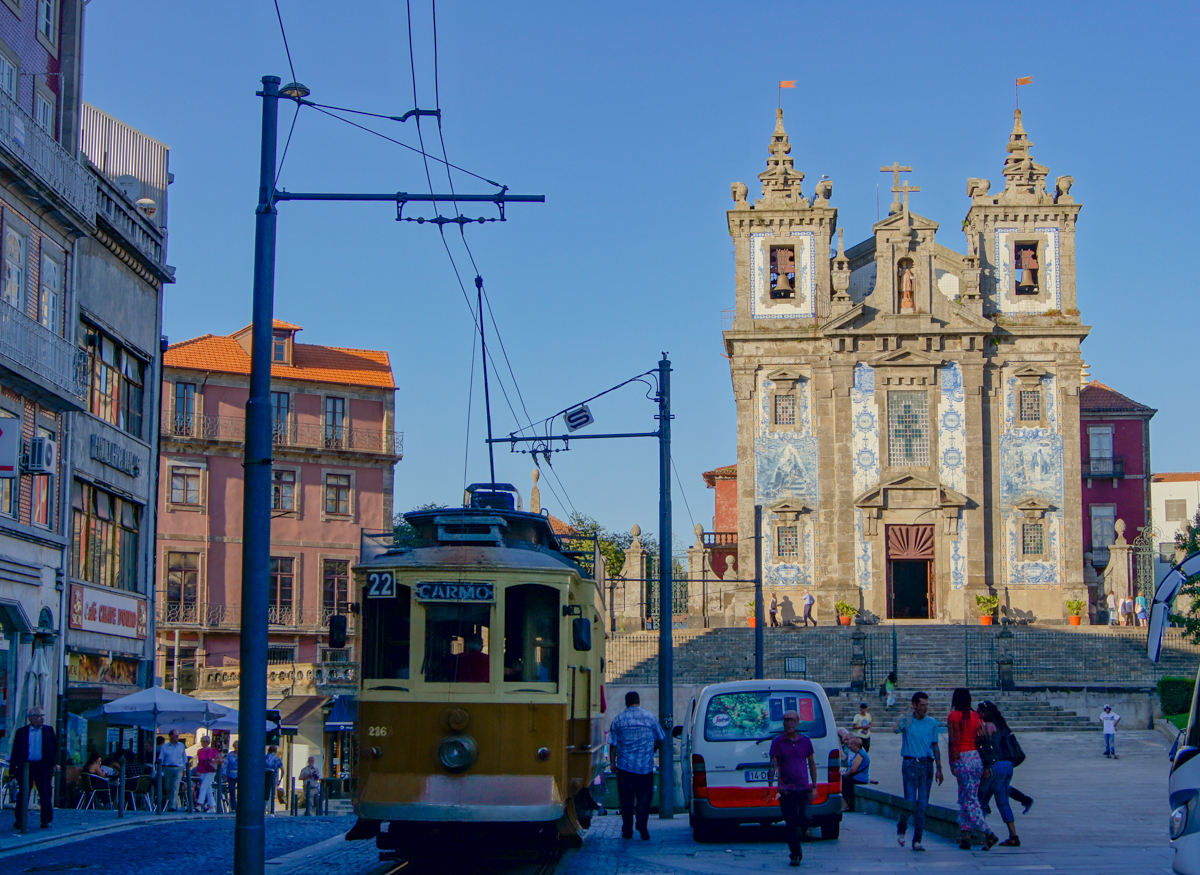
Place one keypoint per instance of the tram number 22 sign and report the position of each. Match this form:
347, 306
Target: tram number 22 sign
381, 585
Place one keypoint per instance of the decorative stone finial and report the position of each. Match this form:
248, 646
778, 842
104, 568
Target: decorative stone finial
1062, 190
699, 530
824, 190
781, 180
1119, 528
535, 494
739, 191
1023, 176
636, 531
841, 244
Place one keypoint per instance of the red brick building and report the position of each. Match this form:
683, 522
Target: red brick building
722, 540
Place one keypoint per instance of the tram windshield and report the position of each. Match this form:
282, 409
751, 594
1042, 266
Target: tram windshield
531, 627
385, 654
457, 643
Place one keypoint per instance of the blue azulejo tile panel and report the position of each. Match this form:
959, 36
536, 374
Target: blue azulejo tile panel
1031, 466
1049, 271
1020, 572
1012, 389
804, 304
863, 567
952, 433
958, 557
864, 431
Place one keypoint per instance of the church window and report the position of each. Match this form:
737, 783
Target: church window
1031, 405
1025, 264
783, 272
1032, 539
908, 428
787, 541
785, 409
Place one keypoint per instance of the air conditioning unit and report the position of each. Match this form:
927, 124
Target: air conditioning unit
43, 457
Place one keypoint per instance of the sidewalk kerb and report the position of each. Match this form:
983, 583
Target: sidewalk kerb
51, 839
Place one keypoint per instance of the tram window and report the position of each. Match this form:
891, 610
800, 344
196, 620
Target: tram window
457, 645
531, 633
385, 645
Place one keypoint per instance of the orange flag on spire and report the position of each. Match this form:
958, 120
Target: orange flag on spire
787, 83
1025, 80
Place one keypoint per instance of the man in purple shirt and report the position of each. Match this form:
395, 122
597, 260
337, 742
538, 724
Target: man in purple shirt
796, 781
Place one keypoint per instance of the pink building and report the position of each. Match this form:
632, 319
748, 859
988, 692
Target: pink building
335, 449
1115, 443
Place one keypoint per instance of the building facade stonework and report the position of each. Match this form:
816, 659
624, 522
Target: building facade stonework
908, 415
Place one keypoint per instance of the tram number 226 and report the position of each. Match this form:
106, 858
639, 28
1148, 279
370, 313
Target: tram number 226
381, 585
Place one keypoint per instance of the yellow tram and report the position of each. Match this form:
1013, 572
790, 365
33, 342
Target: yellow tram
480, 693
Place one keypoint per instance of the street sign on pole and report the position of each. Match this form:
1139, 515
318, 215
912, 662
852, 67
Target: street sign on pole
578, 417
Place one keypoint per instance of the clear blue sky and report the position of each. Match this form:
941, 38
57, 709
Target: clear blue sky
633, 119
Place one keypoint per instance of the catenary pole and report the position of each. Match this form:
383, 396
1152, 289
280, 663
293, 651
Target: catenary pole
758, 595
666, 666
248, 836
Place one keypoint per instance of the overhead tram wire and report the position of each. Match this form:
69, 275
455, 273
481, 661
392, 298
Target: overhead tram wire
283, 32
679, 481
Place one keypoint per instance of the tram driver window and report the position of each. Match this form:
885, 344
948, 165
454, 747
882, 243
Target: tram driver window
385, 645
457, 643
531, 624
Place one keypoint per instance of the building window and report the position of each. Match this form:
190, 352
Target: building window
337, 494
184, 421
1031, 405
10, 486
281, 408
1025, 263
51, 293
335, 597
43, 113
282, 580
1032, 539
1103, 522
185, 486
1100, 451
42, 497
283, 490
280, 655
787, 541
8, 77
783, 272
279, 347
1166, 552
117, 392
183, 587
45, 19
104, 537
785, 409
1176, 510
12, 288
335, 422
908, 428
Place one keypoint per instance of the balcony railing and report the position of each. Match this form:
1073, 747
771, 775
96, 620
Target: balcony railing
287, 434
137, 230
313, 675
50, 162
727, 317
720, 539
216, 616
41, 351
1100, 557
1113, 466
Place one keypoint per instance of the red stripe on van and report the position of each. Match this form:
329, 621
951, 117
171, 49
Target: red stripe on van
755, 797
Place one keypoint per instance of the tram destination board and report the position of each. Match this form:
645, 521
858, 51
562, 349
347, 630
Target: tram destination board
456, 591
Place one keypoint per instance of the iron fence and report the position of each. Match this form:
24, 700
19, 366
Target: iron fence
1115, 658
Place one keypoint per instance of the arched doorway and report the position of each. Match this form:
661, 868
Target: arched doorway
910, 572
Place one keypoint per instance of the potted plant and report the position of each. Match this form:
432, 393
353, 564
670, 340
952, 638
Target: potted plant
750, 613
1075, 610
986, 604
845, 611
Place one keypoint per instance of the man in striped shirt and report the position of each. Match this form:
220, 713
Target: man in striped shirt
632, 739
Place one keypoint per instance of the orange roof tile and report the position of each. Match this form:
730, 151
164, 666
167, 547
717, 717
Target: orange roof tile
560, 527
318, 364
728, 472
1095, 397
1176, 477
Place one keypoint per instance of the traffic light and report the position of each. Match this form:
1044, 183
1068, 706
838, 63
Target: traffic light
337, 631
274, 718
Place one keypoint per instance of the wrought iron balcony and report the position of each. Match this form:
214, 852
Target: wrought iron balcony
313, 675
720, 539
1100, 557
287, 434
219, 616
1112, 466
53, 165
43, 353
727, 317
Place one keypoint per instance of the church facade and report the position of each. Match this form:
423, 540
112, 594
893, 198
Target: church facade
908, 415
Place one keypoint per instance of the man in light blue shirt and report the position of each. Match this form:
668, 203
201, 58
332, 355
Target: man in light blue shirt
172, 757
632, 739
919, 752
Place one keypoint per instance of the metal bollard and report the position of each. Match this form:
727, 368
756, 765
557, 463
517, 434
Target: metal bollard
23, 808
274, 785
121, 789
295, 800
187, 777
217, 782
158, 797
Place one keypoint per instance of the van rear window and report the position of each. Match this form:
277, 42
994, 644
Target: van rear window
754, 714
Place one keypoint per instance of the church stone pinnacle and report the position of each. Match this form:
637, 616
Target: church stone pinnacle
781, 180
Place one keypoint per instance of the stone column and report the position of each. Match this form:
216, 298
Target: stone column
1117, 576
698, 577
629, 592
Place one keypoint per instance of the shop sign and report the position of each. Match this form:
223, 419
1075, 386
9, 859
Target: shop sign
97, 668
95, 610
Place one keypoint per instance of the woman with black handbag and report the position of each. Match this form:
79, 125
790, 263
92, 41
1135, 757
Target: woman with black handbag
1005, 754
969, 751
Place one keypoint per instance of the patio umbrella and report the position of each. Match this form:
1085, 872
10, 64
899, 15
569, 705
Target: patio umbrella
35, 678
157, 706
227, 722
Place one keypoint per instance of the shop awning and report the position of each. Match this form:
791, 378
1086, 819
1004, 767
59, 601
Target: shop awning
294, 709
343, 716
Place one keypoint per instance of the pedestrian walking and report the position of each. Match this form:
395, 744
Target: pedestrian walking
774, 610
310, 775
1126, 610
861, 725
172, 757
274, 771
35, 745
964, 728
888, 690
795, 765
919, 753
857, 771
1140, 607
207, 760
1110, 602
231, 775
633, 737
808, 601
1007, 755
1110, 718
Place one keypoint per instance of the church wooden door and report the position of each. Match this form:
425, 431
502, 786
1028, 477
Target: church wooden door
911, 582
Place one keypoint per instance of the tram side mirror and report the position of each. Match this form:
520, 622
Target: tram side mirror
581, 633
337, 631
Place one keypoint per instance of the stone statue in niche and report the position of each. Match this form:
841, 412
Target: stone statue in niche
906, 283
739, 191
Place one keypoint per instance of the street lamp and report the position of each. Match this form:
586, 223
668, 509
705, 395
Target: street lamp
295, 91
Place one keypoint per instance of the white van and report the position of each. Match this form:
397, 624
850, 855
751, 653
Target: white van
726, 742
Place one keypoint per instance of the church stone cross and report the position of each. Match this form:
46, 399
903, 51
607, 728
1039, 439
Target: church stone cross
905, 188
895, 170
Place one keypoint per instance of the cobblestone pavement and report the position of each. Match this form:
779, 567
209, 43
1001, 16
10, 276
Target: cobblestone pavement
201, 845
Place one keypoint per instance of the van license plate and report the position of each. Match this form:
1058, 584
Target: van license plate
754, 776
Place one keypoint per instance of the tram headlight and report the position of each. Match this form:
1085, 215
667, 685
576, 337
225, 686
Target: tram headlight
1179, 820
458, 753
543, 753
